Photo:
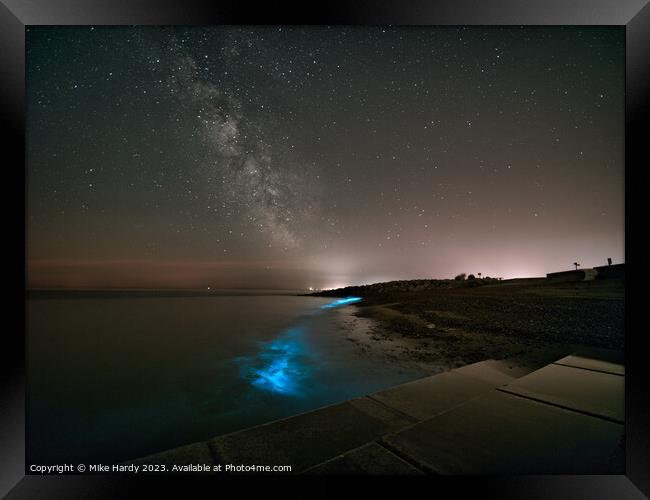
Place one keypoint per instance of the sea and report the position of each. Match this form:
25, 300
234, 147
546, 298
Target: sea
117, 376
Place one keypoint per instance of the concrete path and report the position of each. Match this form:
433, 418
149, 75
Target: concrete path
491, 417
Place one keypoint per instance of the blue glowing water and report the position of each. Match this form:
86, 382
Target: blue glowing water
280, 366
284, 364
341, 302
120, 378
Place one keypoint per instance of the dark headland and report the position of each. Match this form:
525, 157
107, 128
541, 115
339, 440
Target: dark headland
461, 321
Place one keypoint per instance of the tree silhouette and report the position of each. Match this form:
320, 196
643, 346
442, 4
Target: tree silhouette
577, 265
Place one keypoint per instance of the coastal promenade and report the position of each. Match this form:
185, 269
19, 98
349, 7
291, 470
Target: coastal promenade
491, 417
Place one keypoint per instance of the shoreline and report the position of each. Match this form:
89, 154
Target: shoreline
527, 324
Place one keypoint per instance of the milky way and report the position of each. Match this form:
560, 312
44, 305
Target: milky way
297, 157
254, 180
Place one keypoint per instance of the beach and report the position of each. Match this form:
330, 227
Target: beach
446, 325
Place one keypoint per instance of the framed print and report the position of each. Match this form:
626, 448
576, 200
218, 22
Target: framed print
360, 239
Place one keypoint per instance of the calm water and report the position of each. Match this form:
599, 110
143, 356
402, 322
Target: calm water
112, 379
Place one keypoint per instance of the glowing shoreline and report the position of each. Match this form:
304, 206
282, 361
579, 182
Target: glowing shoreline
284, 359
341, 302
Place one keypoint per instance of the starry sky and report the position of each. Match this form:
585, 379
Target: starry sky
297, 157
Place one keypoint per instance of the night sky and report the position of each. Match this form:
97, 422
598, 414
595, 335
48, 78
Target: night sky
296, 157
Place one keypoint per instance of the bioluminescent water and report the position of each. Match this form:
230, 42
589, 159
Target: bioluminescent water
112, 379
284, 364
341, 302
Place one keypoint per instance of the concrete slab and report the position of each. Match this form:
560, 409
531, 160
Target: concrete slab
195, 453
370, 459
496, 372
609, 355
592, 364
501, 433
538, 357
595, 393
430, 396
310, 438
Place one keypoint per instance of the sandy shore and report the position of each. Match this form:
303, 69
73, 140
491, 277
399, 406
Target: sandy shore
528, 323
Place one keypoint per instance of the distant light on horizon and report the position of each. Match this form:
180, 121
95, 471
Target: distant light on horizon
337, 286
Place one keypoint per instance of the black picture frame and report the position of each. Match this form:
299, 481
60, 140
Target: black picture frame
16, 15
